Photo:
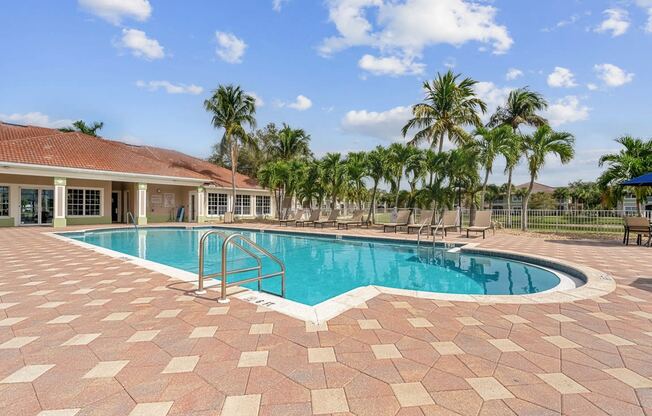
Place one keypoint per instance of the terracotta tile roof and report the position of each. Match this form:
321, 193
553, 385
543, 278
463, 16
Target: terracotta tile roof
538, 187
49, 147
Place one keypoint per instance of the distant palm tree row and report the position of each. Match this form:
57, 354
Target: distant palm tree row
447, 159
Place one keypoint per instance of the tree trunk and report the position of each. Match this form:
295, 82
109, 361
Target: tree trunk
234, 163
526, 200
373, 202
484, 188
441, 143
398, 189
509, 198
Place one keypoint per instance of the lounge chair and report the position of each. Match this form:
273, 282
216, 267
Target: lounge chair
448, 221
356, 219
401, 220
482, 223
332, 219
314, 216
639, 226
293, 217
426, 221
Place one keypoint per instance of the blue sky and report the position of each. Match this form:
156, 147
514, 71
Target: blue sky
344, 70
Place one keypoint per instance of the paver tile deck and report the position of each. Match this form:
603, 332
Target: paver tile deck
83, 333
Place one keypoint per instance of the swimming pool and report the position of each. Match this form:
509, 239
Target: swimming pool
322, 267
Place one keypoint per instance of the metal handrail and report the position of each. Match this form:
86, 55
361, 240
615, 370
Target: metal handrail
434, 232
133, 219
224, 273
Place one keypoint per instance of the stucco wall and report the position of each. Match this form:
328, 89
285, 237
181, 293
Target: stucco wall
156, 200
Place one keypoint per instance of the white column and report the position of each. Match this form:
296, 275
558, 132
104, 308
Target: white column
141, 201
202, 204
59, 202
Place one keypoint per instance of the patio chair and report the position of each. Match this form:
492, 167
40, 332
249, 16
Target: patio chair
448, 221
401, 220
482, 223
426, 221
292, 217
639, 226
332, 219
356, 219
314, 216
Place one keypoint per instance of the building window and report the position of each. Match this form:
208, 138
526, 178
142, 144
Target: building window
263, 205
242, 205
84, 202
217, 203
4, 201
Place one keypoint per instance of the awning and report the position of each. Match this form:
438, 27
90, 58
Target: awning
643, 180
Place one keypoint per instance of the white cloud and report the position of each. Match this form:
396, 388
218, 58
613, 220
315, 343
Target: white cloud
140, 45
384, 125
612, 75
647, 5
170, 88
113, 11
390, 65
492, 95
230, 48
565, 22
301, 103
405, 28
591, 86
561, 77
257, 98
513, 73
35, 118
277, 5
616, 22
566, 110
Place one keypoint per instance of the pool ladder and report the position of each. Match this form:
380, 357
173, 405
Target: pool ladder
231, 240
133, 220
434, 232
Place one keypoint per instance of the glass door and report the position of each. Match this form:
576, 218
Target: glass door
47, 206
29, 206
36, 206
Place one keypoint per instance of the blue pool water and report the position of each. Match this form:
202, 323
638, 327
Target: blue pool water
319, 268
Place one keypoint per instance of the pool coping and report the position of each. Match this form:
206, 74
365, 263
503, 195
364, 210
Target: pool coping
596, 283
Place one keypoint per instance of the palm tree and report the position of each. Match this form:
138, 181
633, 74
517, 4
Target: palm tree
377, 162
334, 173
82, 127
232, 109
311, 187
561, 195
271, 176
635, 159
520, 108
414, 170
291, 143
356, 170
398, 156
449, 104
490, 144
543, 142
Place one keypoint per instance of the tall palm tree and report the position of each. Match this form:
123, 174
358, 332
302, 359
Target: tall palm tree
356, 170
414, 171
490, 144
271, 176
231, 110
377, 162
521, 108
398, 156
291, 143
635, 159
82, 127
334, 171
538, 145
450, 103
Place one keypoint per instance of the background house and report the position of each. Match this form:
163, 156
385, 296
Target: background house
54, 178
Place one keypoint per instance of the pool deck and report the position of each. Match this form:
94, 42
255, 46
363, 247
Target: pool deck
84, 333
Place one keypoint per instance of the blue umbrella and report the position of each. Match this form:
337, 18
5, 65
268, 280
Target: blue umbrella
643, 180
